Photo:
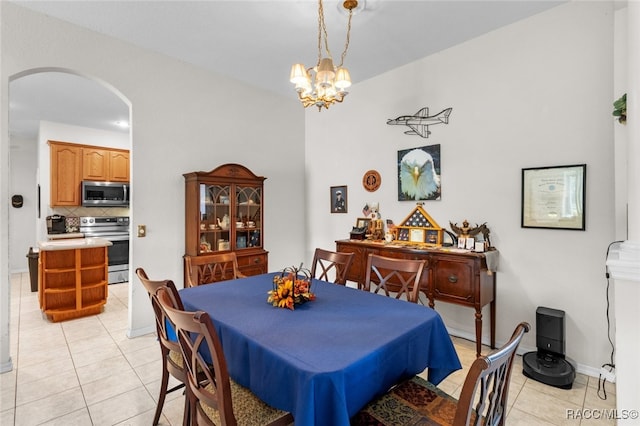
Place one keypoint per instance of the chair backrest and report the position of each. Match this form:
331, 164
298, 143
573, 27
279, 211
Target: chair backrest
483, 399
208, 383
166, 333
389, 275
210, 268
331, 266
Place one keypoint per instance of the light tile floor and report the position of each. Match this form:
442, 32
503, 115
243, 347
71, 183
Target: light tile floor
87, 372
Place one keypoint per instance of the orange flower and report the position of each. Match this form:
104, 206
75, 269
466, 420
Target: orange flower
290, 290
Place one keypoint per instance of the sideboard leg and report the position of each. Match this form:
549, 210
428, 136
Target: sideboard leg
493, 323
478, 331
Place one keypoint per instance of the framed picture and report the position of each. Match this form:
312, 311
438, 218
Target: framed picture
554, 197
419, 174
338, 199
363, 222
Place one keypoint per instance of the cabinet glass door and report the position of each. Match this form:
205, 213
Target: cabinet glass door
248, 220
215, 218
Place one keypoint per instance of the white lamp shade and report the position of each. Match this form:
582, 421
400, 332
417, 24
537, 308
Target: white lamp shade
326, 72
343, 79
298, 74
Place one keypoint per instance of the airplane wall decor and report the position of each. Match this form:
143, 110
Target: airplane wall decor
419, 122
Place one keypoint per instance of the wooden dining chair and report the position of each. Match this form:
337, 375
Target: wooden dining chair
214, 399
211, 268
483, 400
172, 362
331, 266
399, 276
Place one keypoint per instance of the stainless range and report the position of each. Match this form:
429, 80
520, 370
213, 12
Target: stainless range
116, 230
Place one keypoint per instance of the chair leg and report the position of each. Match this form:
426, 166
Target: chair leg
186, 417
164, 383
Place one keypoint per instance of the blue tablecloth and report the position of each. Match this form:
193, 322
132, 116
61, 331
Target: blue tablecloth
324, 361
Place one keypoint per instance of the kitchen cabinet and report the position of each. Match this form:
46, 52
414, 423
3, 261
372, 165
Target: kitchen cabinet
72, 163
104, 164
224, 213
118, 166
451, 276
73, 277
66, 173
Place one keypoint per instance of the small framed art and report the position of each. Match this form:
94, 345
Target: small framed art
338, 199
363, 222
554, 197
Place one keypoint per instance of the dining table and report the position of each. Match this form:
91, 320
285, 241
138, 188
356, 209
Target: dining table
327, 358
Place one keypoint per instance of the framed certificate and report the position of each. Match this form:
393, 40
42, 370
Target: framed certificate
416, 235
554, 197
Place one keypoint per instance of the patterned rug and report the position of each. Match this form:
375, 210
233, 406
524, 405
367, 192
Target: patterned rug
415, 402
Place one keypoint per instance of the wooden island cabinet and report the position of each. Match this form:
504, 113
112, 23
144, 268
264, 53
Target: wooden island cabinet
73, 277
452, 276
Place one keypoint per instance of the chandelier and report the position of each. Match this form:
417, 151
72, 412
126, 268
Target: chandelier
324, 84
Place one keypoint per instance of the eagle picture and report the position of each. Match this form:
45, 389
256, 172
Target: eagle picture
418, 174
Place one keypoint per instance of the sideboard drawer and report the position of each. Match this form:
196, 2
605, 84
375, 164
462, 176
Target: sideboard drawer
253, 264
453, 281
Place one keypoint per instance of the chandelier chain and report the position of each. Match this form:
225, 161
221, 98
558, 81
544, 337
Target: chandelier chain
322, 30
346, 44
324, 84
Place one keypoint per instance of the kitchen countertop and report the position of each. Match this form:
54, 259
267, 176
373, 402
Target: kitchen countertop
65, 236
74, 243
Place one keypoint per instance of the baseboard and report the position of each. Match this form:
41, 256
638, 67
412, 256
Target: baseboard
580, 368
132, 333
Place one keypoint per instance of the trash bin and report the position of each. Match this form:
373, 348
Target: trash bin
33, 268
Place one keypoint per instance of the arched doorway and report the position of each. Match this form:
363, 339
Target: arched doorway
57, 104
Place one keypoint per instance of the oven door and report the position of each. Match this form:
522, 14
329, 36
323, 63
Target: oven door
118, 254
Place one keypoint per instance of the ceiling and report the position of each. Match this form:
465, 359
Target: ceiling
253, 41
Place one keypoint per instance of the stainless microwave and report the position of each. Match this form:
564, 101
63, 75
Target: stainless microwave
105, 194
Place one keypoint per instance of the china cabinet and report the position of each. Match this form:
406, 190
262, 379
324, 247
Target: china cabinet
224, 213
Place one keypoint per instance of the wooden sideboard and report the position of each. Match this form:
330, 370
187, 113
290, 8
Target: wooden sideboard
449, 276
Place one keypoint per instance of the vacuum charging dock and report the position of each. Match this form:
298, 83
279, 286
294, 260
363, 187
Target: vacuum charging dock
549, 365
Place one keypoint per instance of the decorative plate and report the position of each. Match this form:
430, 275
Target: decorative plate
371, 180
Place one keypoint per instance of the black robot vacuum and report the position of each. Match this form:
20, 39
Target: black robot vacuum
548, 364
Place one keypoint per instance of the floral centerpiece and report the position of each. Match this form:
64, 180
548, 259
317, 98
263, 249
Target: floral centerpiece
292, 287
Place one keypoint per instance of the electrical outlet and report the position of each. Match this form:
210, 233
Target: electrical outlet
142, 231
610, 376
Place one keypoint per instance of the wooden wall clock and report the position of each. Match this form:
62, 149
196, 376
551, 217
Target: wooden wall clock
371, 180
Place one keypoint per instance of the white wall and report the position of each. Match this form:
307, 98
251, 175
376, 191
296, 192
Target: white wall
22, 234
183, 119
536, 93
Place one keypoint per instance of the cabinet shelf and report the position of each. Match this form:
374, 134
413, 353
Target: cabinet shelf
59, 270
91, 267
89, 286
71, 288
